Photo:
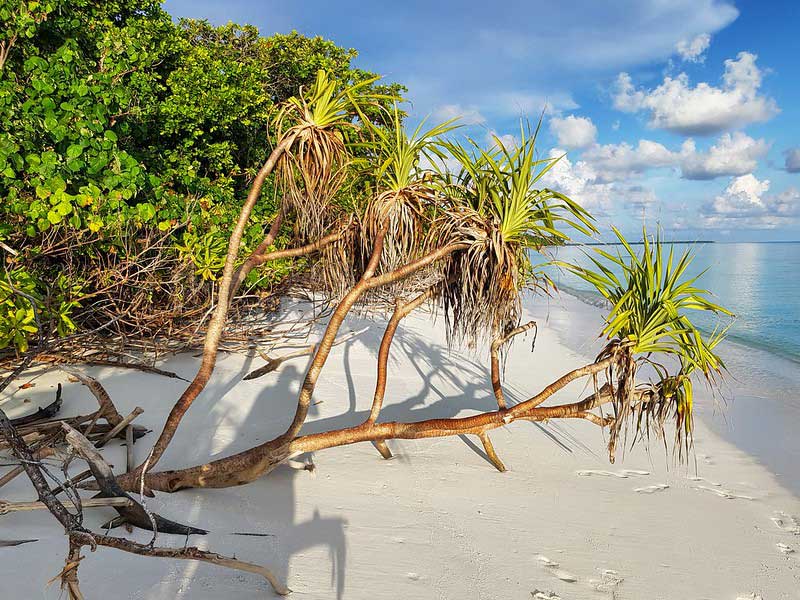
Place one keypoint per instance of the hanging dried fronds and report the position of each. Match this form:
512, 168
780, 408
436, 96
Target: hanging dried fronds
650, 295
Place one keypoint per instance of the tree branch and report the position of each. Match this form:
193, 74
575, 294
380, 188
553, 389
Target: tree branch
498, 343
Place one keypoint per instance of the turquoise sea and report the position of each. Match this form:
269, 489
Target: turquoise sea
760, 283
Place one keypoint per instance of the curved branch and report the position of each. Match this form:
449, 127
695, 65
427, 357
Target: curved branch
192, 553
217, 324
498, 343
250, 262
401, 310
250, 464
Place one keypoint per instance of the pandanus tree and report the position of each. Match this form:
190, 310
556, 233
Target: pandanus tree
475, 232
309, 147
649, 328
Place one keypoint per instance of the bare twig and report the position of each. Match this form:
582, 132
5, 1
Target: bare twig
274, 363
134, 514
119, 427
7, 507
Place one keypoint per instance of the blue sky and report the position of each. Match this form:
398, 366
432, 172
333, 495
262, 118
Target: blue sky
685, 113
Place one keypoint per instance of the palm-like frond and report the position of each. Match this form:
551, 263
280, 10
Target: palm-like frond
495, 205
314, 166
405, 192
649, 324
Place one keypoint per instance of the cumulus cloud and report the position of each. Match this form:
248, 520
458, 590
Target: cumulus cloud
693, 50
580, 181
620, 161
508, 141
573, 132
792, 163
745, 204
467, 115
735, 154
742, 195
732, 154
703, 109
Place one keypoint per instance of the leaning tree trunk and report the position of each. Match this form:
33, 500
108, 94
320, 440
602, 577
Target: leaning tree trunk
217, 324
248, 465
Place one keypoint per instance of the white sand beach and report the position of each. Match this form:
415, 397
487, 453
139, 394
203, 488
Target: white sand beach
437, 521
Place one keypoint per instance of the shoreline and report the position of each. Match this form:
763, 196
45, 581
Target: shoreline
437, 521
761, 421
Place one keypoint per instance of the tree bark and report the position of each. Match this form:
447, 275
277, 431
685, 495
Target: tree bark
248, 465
497, 343
217, 324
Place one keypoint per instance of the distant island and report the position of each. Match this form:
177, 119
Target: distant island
640, 243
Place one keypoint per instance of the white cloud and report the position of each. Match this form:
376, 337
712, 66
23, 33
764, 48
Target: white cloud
592, 36
743, 194
792, 163
516, 103
704, 109
573, 132
620, 161
581, 182
508, 141
745, 204
787, 203
735, 154
466, 115
577, 181
732, 154
693, 50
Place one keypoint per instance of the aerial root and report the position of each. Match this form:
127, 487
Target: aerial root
489, 448
381, 446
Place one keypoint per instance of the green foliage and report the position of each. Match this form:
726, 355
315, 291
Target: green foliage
116, 122
23, 309
650, 324
649, 301
498, 209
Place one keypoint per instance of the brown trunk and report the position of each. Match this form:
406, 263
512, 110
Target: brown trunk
250, 262
367, 282
217, 324
261, 256
497, 344
400, 312
248, 465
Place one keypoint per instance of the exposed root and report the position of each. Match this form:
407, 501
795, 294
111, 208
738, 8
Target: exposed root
381, 446
489, 448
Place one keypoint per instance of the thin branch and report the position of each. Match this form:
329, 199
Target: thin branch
497, 344
274, 363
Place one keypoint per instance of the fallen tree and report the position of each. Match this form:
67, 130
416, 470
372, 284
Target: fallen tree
471, 235
473, 231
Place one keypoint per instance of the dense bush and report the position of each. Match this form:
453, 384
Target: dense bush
126, 144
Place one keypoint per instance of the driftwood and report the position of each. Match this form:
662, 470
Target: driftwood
117, 429
45, 412
79, 536
8, 507
109, 411
133, 513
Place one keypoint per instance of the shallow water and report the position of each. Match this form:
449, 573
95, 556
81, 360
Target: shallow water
760, 407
